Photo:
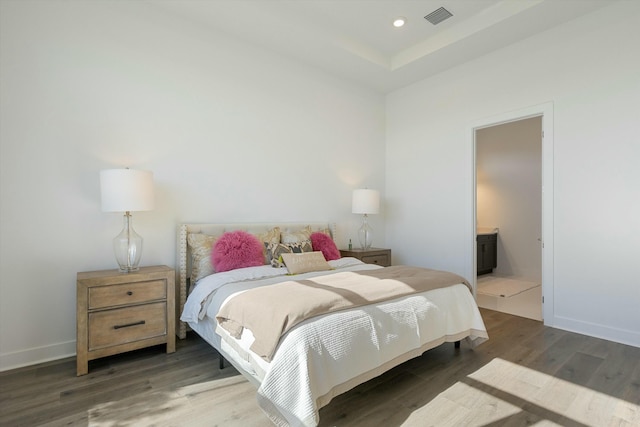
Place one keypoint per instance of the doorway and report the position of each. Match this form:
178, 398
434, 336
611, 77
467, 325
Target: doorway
509, 217
512, 194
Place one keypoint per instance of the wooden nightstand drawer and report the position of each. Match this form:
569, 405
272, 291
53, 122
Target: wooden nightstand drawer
125, 325
382, 260
127, 293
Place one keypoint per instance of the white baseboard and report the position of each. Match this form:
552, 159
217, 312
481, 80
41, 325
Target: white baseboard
622, 336
37, 355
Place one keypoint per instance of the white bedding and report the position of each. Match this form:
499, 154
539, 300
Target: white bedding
328, 355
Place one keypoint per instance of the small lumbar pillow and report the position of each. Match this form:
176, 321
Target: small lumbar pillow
325, 244
237, 249
305, 262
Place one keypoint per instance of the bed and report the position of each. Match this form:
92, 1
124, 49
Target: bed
318, 356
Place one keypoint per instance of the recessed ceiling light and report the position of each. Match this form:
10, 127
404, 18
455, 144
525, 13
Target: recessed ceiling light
399, 21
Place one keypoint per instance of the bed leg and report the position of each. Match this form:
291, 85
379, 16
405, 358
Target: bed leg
456, 344
221, 361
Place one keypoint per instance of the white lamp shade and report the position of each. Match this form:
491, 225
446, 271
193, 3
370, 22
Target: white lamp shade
126, 190
365, 201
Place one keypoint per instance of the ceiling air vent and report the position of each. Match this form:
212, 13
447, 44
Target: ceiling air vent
438, 15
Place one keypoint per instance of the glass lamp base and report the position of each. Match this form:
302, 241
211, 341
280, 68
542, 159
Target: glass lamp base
365, 234
127, 247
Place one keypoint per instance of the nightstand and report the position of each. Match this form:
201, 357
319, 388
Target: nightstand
370, 256
118, 312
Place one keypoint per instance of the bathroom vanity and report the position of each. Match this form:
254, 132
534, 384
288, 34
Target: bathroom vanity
487, 251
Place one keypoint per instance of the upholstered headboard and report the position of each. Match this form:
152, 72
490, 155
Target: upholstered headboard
184, 255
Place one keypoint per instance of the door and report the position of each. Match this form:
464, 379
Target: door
544, 234
509, 199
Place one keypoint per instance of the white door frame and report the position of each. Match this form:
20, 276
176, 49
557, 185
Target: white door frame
546, 111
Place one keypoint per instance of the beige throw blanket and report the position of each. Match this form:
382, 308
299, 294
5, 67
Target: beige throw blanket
270, 311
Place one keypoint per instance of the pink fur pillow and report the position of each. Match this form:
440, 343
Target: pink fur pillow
325, 244
237, 249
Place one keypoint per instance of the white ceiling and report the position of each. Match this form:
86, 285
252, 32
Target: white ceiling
354, 39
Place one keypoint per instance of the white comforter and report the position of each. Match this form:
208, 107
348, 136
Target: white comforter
328, 355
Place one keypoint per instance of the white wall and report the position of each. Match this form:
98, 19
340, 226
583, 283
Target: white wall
236, 133
590, 70
509, 194
233, 133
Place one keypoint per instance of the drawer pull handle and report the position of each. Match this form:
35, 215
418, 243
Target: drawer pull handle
129, 293
141, 322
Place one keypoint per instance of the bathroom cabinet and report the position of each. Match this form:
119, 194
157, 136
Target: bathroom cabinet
487, 253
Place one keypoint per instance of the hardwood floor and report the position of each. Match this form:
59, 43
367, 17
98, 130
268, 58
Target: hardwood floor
525, 374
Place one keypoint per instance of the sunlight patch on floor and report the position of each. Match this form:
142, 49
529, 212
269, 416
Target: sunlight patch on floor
502, 392
193, 405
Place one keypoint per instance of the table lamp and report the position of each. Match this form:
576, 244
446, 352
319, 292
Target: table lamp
365, 202
127, 190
